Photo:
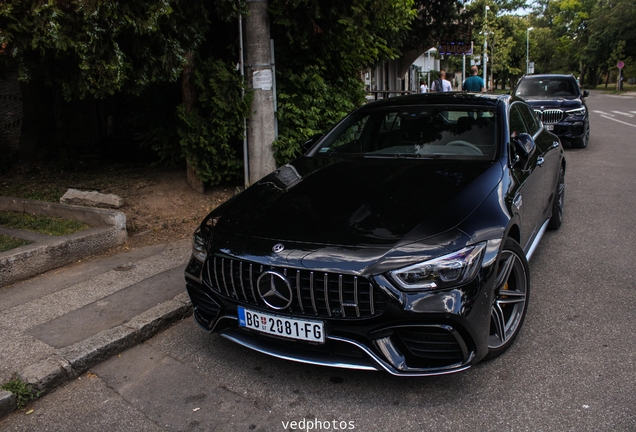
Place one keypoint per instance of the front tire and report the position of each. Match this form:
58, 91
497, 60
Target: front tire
510, 299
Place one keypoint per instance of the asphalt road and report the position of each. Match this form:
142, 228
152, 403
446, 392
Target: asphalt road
573, 367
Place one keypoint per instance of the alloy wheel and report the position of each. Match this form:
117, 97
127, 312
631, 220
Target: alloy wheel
509, 303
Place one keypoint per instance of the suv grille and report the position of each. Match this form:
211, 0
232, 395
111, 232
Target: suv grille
550, 116
328, 295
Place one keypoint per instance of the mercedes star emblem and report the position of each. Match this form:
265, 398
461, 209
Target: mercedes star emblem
275, 290
278, 248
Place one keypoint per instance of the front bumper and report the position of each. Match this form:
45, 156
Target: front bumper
406, 334
571, 129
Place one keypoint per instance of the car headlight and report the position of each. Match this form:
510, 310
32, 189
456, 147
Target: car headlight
448, 270
576, 112
198, 245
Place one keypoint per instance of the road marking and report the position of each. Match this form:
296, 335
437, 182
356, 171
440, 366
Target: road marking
603, 113
619, 121
622, 113
633, 112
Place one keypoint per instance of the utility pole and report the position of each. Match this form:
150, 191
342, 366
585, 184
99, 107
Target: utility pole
260, 128
486, 48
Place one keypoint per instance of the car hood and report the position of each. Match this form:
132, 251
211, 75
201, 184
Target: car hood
551, 103
357, 203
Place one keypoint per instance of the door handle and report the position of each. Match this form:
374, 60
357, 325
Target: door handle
540, 161
555, 144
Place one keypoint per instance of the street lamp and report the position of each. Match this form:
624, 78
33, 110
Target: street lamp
486, 47
528, 49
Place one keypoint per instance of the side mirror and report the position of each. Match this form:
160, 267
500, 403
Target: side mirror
525, 143
525, 146
310, 142
586, 93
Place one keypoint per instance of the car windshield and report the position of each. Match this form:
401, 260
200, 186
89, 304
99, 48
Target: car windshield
416, 132
550, 87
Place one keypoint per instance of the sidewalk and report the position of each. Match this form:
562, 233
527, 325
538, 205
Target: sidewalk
57, 325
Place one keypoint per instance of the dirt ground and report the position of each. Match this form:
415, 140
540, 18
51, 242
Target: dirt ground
162, 207
159, 204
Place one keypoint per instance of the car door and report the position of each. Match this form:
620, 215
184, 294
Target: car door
528, 199
549, 159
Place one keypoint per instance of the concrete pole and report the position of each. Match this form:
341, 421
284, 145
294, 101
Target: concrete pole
260, 127
486, 48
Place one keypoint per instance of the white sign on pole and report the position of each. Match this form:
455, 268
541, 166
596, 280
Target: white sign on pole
531, 67
262, 79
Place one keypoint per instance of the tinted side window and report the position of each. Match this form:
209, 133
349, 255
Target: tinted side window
517, 126
530, 119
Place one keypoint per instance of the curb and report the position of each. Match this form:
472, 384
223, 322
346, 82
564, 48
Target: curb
70, 362
48, 252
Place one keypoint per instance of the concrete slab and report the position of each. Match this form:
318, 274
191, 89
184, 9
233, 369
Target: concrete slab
110, 311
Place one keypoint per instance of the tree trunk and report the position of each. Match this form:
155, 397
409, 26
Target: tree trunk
188, 97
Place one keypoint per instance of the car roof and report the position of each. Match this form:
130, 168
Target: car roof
443, 98
547, 76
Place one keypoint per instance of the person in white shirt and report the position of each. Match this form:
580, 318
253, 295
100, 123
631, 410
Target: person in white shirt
441, 84
423, 87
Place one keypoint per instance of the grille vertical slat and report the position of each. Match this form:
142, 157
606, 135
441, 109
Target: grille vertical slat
299, 292
216, 274
232, 279
342, 309
241, 280
326, 285
343, 297
313, 295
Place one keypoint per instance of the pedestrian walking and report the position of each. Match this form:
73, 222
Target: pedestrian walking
441, 84
474, 83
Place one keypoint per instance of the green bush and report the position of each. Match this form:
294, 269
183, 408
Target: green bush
211, 133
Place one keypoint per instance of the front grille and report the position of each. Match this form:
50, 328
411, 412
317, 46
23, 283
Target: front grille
550, 116
320, 294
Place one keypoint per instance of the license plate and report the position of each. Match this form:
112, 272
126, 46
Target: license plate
549, 127
292, 328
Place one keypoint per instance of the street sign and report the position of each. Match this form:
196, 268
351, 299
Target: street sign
455, 48
531, 67
620, 65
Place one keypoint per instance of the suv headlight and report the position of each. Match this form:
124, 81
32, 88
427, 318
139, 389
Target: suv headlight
198, 245
576, 112
448, 270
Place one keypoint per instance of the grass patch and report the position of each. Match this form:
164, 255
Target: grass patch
7, 243
41, 224
23, 392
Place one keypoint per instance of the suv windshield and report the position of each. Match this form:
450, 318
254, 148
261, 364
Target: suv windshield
549, 87
417, 132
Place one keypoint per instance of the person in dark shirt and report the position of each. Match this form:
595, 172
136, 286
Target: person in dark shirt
474, 83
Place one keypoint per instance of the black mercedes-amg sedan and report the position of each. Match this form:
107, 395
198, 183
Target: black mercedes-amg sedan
560, 104
398, 242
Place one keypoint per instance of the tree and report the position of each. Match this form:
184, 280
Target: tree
611, 22
322, 45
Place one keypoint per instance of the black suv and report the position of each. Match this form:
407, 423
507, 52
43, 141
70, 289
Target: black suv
560, 104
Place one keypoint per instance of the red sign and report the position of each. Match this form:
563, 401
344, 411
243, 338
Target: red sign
620, 65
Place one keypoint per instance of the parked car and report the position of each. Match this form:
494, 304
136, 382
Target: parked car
398, 242
560, 104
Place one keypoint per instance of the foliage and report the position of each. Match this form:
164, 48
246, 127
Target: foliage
42, 224
321, 47
23, 392
100, 48
210, 134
